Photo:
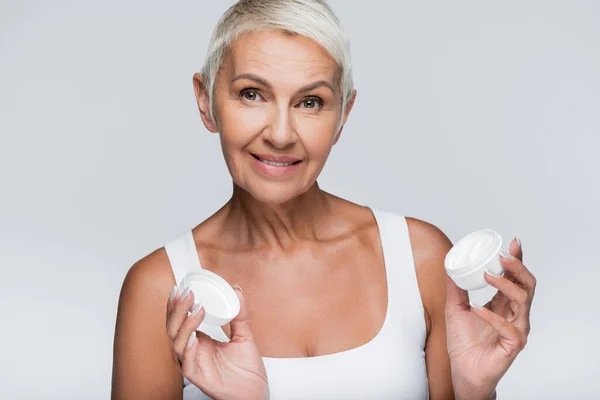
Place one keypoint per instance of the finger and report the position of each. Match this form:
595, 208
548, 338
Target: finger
170, 301
457, 299
188, 364
240, 327
521, 274
511, 290
515, 248
173, 301
513, 340
189, 326
181, 306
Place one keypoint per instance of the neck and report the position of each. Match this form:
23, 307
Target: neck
276, 225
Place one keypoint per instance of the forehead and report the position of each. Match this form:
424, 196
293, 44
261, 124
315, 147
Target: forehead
279, 55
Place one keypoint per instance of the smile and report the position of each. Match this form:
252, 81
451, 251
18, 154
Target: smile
276, 166
276, 163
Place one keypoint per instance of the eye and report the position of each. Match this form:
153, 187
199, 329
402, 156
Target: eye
312, 102
250, 94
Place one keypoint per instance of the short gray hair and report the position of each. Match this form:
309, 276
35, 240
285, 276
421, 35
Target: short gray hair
313, 19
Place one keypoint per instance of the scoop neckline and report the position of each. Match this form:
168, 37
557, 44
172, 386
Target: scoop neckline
375, 213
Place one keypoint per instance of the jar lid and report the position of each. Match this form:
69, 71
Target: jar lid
217, 297
472, 251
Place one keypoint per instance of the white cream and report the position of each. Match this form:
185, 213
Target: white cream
468, 259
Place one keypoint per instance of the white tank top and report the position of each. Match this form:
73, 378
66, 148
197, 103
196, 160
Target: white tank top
390, 366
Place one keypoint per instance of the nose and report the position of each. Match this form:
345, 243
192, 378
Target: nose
280, 133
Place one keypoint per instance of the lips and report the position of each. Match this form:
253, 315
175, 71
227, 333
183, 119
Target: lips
276, 166
277, 161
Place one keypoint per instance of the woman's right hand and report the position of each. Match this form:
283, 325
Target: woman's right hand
222, 370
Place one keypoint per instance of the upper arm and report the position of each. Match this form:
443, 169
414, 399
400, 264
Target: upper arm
430, 246
144, 364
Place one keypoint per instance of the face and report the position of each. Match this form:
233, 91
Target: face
277, 105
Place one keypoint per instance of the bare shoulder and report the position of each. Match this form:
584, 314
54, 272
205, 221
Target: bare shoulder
429, 246
144, 363
428, 242
150, 276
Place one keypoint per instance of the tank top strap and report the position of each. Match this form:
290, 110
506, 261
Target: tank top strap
405, 307
183, 255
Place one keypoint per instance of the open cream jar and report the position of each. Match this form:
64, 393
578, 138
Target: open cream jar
218, 298
468, 259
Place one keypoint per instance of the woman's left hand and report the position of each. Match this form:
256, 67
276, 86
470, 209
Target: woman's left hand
484, 341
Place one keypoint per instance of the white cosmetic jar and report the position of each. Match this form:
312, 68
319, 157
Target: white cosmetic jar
468, 259
217, 297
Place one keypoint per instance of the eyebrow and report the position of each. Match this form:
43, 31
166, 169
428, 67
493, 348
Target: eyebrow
262, 81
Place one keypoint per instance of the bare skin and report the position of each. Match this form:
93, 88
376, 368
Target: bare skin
281, 282
293, 248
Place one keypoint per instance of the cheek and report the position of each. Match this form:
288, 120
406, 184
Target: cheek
242, 121
238, 127
317, 135
239, 122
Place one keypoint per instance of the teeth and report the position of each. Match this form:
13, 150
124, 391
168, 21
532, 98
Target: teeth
277, 164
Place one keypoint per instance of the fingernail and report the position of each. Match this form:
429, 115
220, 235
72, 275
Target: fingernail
237, 287
475, 306
519, 242
492, 273
507, 255
173, 293
185, 293
196, 309
191, 339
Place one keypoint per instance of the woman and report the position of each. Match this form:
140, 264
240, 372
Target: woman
339, 301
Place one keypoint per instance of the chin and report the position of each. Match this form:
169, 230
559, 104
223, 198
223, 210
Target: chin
275, 194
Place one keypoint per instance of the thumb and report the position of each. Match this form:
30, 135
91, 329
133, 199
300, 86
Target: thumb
240, 328
515, 249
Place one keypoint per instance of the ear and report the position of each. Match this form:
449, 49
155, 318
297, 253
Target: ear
203, 106
349, 106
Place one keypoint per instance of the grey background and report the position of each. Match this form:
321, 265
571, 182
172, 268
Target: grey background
469, 115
